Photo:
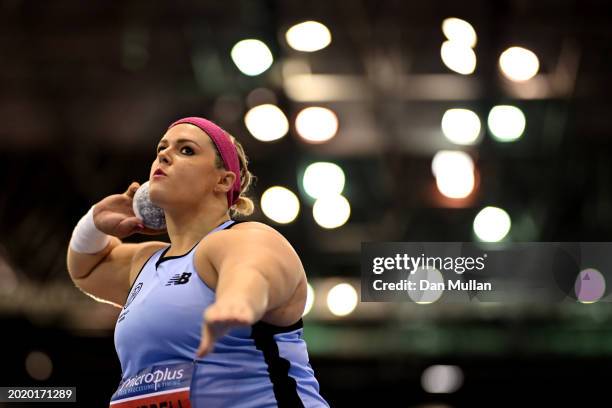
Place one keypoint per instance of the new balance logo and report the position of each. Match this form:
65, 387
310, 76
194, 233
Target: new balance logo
179, 279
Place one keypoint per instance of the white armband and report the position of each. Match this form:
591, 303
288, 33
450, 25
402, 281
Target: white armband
86, 238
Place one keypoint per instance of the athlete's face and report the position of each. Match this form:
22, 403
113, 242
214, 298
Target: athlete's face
187, 157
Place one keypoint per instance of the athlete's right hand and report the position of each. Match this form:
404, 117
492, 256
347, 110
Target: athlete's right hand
114, 215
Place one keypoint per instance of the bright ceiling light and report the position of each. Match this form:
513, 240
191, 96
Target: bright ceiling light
316, 124
448, 161
323, 178
458, 57
456, 185
252, 57
492, 224
461, 126
342, 299
266, 122
454, 172
331, 211
519, 64
459, 31
308, 36
506, 123
280, 204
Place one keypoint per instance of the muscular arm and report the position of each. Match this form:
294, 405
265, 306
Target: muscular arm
106, 276
256, 265
257, 271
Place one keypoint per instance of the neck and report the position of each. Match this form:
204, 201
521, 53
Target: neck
186, 226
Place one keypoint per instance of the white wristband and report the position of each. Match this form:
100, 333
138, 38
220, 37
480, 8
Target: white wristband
86, 238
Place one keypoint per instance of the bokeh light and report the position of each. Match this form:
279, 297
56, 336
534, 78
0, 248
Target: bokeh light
430, 294
39, 365
442, 379
316, 124
342, 299
519, 64
458, 57
454, 173
590, 285
445, 161
252, 57
323, 178
308, 36
492, 224
506, 123
461, 126
459, 31
280, 204
266, 122
331, 211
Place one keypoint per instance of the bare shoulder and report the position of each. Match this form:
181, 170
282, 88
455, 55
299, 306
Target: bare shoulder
263, 247
248, 241
256, 233
142, 255
250, 225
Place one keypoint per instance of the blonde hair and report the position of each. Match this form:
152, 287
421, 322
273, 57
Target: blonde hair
244, 205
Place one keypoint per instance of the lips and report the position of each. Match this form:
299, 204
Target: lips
159, 172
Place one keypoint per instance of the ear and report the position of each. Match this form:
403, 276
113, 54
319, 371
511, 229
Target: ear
225, 182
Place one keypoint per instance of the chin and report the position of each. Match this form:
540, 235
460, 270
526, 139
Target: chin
158, 196
165, 197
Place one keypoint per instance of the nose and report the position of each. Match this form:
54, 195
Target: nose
163, 157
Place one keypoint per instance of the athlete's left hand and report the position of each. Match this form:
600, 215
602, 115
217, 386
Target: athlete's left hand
219, 318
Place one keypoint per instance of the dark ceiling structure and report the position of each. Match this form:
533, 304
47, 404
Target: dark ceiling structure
88, 89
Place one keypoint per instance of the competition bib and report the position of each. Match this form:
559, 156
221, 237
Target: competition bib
163, 386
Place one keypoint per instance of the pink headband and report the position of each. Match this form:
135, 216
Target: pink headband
225, 147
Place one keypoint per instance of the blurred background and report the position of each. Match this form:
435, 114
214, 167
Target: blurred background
364, 121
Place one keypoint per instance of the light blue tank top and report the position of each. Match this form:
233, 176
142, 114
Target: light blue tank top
258, 366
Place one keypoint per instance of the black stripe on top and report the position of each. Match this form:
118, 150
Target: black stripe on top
236, 222
162, 259
284, 386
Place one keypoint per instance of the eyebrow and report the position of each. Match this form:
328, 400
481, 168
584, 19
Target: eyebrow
179, 141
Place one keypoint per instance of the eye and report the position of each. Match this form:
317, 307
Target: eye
187, 149
160, 148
